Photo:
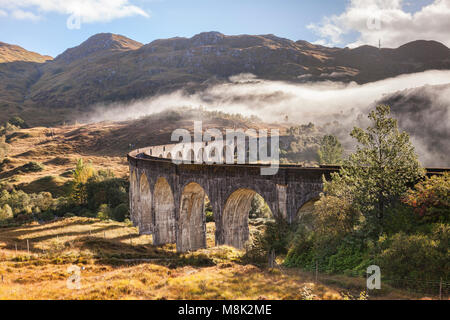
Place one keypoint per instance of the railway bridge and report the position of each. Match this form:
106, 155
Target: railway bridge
167, 199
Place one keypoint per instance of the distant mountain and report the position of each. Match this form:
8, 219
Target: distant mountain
109, 67
11, 53
102, 43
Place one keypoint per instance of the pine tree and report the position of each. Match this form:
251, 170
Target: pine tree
380, 171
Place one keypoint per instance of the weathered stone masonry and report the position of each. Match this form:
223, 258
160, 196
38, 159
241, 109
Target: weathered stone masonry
167, 200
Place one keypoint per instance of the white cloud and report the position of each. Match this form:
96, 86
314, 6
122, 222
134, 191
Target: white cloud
386, 20
24, 15
87, 10
3, 13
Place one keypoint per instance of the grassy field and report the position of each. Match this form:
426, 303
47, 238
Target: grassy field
117, 263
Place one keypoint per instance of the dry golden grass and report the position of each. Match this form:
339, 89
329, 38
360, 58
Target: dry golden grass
117, 263
58, 150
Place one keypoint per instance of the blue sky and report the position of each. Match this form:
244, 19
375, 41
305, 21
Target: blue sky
43, 28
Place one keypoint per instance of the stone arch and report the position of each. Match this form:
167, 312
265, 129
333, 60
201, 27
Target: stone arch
191, 220
235, 217
164, 208
169, 156
145, 206
306, 208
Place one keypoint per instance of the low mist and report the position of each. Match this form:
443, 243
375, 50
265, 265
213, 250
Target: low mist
319, 102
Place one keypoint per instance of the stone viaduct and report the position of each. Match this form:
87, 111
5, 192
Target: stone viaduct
167, 199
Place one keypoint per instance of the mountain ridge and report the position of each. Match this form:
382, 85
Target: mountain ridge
113, 68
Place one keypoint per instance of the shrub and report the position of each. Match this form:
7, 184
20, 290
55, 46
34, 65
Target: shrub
46, 216
128, 222
32, 166
5, 212
110, 191
275, 236
87, 213
21, 202
419, 256
18, 122
209, 216
259, 208
104, 212
351, 257
301, 253
120, 212
401, 218
431, 198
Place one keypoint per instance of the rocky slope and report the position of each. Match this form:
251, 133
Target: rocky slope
109, 67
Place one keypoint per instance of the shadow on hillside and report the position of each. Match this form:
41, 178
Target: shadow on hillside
20, 237
47, 228
50, 184
121, 250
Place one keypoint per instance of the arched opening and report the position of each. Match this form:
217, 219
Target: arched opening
210, 224
178, 157
169, 156
214, 155
200, 157
190, 156
227, 155
145, 222
235, 219
164, 206
305, 212
191, 222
